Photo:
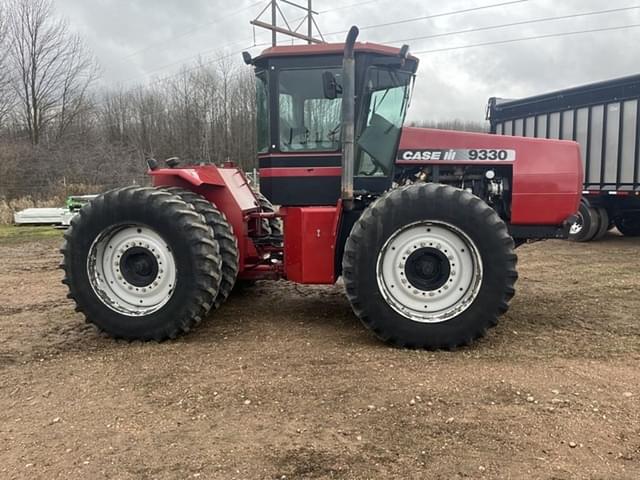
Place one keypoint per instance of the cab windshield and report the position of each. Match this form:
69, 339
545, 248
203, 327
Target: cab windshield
386, 97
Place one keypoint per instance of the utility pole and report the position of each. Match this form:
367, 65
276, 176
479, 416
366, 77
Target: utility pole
286, 29
309, 22
274, 20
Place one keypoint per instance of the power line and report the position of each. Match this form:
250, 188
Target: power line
514, 24
189, 32
199, 65
342, 7
261, 44
184, 60
345, 7
435, 15
523, 39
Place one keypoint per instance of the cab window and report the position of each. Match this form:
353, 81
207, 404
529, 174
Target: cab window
262, 113
386, 97
307, 120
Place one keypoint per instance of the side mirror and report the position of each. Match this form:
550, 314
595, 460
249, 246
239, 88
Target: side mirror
330, 86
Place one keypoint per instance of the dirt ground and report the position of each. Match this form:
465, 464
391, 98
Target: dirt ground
283, 382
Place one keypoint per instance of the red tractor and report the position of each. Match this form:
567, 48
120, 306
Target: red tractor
421, 224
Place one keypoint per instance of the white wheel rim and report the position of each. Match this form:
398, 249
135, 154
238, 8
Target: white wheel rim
445, 294
132, 270
577, 226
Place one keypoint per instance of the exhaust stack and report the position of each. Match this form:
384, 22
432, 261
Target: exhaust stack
348, 119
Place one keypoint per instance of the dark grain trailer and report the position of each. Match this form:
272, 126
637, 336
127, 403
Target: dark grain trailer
604, 118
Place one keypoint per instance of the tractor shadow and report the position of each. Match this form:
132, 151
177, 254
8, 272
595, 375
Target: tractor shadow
288, 310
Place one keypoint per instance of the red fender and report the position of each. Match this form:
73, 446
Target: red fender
227, 188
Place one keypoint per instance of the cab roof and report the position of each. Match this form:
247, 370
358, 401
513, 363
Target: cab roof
327, 49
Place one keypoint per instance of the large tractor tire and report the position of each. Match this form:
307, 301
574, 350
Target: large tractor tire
603, 223
141, 264
587, 225
629, 225
223, 233
429, 266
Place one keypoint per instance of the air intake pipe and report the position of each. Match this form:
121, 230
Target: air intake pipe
348, 119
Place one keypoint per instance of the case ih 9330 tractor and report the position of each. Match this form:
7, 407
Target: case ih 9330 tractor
421, 224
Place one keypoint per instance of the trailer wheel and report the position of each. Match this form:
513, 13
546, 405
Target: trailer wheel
629, 225
429, 266
141, 264
603, 223
586, 226
223, 232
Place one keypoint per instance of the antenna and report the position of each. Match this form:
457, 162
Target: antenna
275, 29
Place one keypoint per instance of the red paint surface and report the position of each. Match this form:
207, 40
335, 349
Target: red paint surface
327, 49
309, 243
547, 174
301, 172
227, 189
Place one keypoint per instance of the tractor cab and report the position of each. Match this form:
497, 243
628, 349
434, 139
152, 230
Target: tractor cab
300, 119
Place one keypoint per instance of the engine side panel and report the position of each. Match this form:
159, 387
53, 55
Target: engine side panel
546, 174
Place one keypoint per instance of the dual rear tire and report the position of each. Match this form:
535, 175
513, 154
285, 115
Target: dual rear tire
143, 263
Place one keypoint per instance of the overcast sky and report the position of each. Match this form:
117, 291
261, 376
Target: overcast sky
136, 41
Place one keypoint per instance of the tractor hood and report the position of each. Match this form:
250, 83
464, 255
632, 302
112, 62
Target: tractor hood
547, 174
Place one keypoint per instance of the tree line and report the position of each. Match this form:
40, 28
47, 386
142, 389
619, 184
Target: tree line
61, 134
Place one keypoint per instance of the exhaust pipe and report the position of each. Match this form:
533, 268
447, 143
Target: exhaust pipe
348, 119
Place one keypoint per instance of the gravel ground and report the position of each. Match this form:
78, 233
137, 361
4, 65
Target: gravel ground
283, 382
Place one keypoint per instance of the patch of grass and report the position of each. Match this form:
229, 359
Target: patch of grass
17, 234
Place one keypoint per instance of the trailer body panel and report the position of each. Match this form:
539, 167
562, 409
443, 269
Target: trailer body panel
604, 118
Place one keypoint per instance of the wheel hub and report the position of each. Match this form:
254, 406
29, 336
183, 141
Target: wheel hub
429, 271
132, 269
139, 266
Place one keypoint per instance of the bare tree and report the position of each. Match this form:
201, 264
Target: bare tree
51, 68
6, 91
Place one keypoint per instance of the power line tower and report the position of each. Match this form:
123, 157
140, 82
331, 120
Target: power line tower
292, 32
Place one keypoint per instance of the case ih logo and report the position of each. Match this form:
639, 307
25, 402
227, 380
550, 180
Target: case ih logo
452, 154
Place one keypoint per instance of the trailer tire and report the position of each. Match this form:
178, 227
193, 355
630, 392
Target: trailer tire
433, 236
587, 225
629, 225
141, 264
223, 233
603, 223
